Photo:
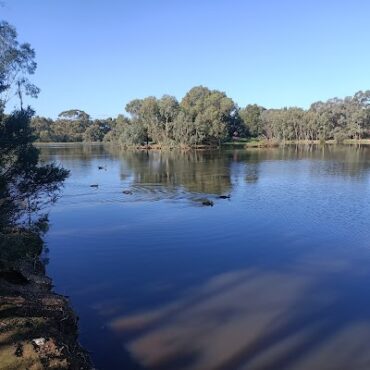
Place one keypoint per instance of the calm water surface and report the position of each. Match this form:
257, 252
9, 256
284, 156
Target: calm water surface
276, 277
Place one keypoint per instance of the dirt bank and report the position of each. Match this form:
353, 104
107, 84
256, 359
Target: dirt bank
38, 329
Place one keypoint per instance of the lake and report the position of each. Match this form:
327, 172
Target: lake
275, 277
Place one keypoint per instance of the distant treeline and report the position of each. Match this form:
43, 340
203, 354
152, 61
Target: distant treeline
209, 117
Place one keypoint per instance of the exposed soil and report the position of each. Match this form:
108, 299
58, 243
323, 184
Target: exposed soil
38, 329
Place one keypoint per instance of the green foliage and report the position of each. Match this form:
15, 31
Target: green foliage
42, 128
16, 64
97, 130
252, 120
74, 115
203, 117
71, 126
337, 119
209, 117
25, 186
17, 245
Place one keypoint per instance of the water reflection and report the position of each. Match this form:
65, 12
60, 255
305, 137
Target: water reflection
253, 319
276, 277
197, 172
176, 173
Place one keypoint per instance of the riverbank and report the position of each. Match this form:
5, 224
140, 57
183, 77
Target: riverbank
239, 144
38, 328
264, 143
129, 147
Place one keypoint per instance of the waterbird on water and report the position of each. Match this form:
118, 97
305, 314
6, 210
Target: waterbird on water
207, 202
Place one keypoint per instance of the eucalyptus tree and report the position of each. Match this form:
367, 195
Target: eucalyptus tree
42, 128
251, 117
207, 115
152, 118
139, 119
359, 122
25, 185
168, 109
17, 63
71, 125
97, 130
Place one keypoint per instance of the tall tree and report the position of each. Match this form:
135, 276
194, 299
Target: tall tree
251, 117
17, 63
71, 125
211, 112
25, 185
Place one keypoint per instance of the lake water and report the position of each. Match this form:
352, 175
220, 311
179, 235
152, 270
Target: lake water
276, 277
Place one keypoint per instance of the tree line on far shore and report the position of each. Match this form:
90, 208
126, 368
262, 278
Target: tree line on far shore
209, 117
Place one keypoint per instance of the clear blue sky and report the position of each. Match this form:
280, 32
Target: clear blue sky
98, 55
